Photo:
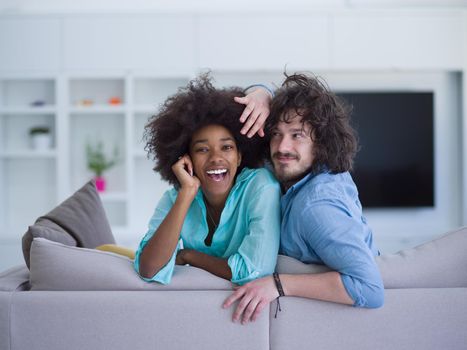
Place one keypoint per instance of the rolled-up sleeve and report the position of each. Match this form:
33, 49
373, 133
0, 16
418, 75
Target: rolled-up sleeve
338, 239
257, 254
164, 275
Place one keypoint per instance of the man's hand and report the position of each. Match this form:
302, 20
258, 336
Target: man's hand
254, 297
256, 111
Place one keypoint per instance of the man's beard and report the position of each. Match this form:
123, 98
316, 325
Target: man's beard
288, 178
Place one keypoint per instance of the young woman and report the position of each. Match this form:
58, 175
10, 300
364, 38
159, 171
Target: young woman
223, 207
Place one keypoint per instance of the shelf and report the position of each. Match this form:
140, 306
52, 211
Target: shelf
25, 154
22, 92
114, 196
50, 109
139, 153
97, 109
97, 90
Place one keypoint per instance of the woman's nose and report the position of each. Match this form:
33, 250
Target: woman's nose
215, 155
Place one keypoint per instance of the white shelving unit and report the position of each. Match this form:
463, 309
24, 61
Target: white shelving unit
32, 182
27, 176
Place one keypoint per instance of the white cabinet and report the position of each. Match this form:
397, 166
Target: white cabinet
156, 43
247, 42
27, 175
402, 40
29, 43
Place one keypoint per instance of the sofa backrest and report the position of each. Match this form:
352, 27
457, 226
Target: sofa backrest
439, 263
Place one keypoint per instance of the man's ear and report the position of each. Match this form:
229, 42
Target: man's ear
239, 159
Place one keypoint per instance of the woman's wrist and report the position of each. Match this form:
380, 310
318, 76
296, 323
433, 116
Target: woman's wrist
188, 193
183, 256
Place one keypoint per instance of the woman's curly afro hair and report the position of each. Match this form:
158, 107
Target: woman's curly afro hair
168, 133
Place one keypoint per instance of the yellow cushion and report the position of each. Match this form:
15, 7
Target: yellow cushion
117, 250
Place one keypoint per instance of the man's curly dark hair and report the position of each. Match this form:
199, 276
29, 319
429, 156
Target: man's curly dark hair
168, 133
335, 141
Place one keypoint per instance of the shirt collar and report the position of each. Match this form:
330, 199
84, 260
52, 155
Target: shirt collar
299, 184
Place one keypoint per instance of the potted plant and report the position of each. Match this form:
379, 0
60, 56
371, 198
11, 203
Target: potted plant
98, 162
40, 137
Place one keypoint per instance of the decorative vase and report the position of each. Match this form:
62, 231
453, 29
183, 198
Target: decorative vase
100, 183
41, 142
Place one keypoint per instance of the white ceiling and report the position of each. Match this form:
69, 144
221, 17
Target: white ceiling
209, 6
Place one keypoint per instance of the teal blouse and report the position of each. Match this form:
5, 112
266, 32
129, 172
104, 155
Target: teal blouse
248, 231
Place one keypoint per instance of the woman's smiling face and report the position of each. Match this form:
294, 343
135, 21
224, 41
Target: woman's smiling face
215, 158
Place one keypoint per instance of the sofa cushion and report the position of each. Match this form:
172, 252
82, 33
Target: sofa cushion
416, 319
439, 263
14, 279
78, 221
55, 266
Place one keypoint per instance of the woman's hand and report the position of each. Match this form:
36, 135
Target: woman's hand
181, 258
183, 170
256, 111
253, 298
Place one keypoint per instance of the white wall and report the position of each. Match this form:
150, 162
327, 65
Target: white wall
353, 44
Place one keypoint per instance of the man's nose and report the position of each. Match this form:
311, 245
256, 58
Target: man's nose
283, 145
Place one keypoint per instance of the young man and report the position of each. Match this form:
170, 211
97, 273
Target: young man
312, 147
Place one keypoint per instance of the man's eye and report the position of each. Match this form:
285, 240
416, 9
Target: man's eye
274, 134
297, 136
227, 147
202, 150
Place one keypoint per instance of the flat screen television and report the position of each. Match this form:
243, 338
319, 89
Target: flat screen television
394, 167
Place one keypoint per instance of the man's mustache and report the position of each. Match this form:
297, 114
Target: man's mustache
285, 155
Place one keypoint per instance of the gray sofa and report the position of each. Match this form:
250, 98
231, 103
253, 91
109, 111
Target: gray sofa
76, 297
79, 298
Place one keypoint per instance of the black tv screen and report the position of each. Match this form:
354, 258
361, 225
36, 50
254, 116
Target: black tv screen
395, 164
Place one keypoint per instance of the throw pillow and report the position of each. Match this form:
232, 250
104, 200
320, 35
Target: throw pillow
79, 221
55, 266
112, 248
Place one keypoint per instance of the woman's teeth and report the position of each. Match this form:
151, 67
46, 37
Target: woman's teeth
217, 174
216, 171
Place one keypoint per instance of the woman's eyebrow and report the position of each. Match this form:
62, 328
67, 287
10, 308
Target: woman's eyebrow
206, 140
200, 141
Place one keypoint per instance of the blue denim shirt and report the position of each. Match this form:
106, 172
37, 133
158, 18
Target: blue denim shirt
322, 223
